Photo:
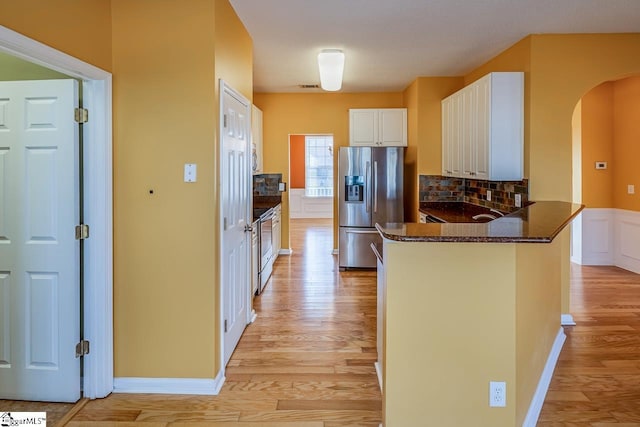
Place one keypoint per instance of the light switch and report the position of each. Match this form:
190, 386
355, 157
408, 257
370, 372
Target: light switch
282, 186
190, 172
631, 189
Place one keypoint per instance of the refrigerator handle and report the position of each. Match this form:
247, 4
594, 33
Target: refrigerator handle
375, 187
367, 174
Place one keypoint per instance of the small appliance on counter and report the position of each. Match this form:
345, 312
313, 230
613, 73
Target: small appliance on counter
370, 191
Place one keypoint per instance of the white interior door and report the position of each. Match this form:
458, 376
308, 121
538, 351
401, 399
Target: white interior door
39, 256
235, 206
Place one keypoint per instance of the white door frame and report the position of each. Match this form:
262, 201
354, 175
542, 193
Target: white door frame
98, 299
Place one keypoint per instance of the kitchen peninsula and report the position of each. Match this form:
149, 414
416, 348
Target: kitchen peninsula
466, 304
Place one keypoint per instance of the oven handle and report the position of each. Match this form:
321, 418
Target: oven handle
268, 215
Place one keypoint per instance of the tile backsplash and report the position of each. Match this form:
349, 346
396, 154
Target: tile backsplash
266, 184
437, 188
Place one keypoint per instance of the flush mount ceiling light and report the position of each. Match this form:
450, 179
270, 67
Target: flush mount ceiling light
331, 64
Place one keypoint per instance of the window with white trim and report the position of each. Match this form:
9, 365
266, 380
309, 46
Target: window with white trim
318, 166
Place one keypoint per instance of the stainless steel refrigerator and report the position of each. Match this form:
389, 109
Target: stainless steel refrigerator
370, 181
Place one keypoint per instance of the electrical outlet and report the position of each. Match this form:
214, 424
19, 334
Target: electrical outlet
518, 200
497, 393
190, 172
488, 195
631, 189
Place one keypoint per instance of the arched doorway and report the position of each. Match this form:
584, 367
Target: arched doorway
605, 175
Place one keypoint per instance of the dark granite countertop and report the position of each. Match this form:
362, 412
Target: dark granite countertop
457, 211
539, 222
263, 203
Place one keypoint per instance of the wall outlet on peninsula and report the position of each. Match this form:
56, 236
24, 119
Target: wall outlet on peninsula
518, 200
497, 394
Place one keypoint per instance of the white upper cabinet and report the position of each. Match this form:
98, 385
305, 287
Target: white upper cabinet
451, 135
256, 139
378, 127
483, 129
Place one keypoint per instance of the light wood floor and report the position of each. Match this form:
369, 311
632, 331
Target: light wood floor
308, 359
597, 380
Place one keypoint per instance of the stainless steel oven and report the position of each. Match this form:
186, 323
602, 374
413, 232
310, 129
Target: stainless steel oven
266, 248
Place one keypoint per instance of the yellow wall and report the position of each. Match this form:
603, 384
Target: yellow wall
234, 65
449, 332
576, 153
563, 69
597, 145
559, 70
80, 28
538, 272
626, 150
610, 132
166, 58
319, 113
473, 328
424, 154
411, 101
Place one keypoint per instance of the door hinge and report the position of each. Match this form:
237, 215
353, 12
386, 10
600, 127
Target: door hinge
82, 348
82, 232
81, 115
225, 326
224, 121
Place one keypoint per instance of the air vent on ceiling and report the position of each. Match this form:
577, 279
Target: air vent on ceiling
309, 86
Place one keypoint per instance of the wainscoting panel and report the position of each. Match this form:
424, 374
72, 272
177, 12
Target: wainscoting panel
597, 236
301, 206
607, 237
627, 238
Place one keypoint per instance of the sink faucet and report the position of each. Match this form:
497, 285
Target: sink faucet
484, 216
496, 211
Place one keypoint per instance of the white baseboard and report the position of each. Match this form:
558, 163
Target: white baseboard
545, 379
254, 316
335, 252
379, 374
567, 320
285, 252
169, 385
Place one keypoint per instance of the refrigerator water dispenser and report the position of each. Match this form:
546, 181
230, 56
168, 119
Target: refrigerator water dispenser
353, 188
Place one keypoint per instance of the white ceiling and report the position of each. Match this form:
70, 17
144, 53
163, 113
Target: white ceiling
388, 43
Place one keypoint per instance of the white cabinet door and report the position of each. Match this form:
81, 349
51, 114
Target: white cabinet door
255, 258
392, 127
468, 131
277, 229
482, 134
484, 124
363, 127
380, 320
378, 127
451, 139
